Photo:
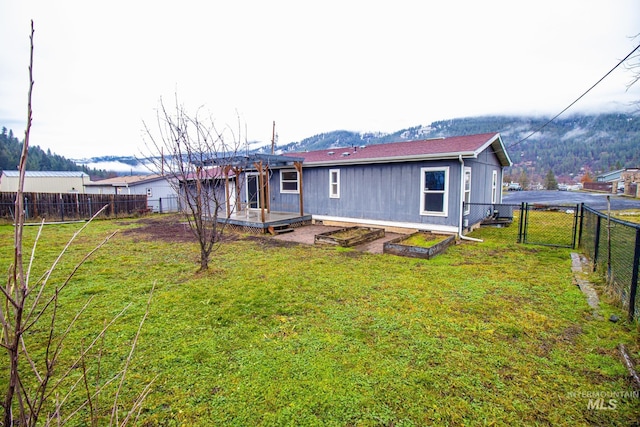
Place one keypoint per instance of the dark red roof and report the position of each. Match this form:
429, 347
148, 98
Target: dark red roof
467, 146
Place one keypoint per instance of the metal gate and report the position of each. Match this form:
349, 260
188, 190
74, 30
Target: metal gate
549, 225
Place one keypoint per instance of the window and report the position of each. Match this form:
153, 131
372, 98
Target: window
494, 187
289, 181
467, 190
334, 183
434, 186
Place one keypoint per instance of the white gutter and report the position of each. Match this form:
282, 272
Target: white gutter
460, 226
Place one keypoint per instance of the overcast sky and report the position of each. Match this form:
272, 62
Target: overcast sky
312, 66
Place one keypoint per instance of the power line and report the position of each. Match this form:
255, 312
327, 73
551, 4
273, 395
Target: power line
578, 99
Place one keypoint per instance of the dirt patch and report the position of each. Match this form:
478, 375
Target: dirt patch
176, 229
168, 229
269, 242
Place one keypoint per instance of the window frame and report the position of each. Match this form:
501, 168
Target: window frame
334, 194
445, 192
467, 191
282, 181
494, 187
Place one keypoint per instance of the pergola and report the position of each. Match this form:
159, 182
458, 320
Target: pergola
261, 163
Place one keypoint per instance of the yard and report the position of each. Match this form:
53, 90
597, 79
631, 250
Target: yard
278, 333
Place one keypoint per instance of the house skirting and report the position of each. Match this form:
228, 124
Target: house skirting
390, 226
253, 224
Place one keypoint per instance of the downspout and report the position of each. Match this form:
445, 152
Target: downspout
460, 227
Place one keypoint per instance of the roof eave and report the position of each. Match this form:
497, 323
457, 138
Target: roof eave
498, 148
395, 159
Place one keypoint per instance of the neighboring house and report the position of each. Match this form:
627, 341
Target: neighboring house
161, 195
411, 185
630, 177
610, 176
44, 182
217, 188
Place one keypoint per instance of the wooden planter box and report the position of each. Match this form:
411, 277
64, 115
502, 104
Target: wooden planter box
350, 236
397, 247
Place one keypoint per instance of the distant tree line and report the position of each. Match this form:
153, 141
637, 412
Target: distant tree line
38, 159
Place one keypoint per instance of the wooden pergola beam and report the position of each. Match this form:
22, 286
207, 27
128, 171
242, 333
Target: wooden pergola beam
298, 166
258, 166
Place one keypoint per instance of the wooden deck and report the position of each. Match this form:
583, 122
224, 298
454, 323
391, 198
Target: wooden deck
251, 221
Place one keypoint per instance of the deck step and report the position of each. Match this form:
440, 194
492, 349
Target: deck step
280, 229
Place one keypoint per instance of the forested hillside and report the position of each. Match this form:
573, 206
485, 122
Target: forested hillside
567, 146
38, 159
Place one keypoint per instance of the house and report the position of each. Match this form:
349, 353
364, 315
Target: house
218, 187
610, 176
161, 193
630, 178
44, 181
443, 184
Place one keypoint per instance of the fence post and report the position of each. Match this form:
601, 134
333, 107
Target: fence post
160, 205
634, 277
520, 226
596, 249
26, 208
90, 208
575, 226
580, 226
61, 208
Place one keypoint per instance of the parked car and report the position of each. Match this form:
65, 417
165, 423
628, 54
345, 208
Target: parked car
514, 186
562, 187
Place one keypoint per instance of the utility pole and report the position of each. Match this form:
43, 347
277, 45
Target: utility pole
273, 138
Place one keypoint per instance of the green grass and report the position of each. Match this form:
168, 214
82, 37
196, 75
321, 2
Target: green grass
630, 215
423, 240
487, 333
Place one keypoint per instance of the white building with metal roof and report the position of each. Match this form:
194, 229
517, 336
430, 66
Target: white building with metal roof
45, 181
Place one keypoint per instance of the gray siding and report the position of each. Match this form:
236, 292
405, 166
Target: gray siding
382, 192
481, 180
481, 172
389, 192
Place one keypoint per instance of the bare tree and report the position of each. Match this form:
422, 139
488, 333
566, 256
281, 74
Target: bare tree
633, 65
197, 159
41, 385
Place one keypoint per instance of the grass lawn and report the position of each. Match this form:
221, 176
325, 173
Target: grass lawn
630, 215
423, 240
282, 334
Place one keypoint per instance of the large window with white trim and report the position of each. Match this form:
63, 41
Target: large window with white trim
334, 183
434, 184
494, 187
467, 190
289, 182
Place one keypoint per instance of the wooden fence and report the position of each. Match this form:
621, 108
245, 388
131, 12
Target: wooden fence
72, 206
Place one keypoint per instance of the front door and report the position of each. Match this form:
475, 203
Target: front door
253, 191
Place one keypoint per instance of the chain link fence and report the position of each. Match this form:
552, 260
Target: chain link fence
613, 246
549, 225
491, 214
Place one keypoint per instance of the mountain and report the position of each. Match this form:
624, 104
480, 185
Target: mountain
566, 146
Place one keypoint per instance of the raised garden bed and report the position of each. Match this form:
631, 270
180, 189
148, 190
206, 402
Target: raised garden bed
419, 245
350, 236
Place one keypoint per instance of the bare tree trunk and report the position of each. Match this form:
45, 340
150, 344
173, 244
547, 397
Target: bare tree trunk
198, 159
23, 306
17, 286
